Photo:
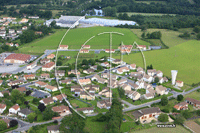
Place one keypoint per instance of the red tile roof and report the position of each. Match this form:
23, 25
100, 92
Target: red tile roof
22, 57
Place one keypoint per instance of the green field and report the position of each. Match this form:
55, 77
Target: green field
183, 57
178, 129
169, 37
76, 37
194, 94
146, 14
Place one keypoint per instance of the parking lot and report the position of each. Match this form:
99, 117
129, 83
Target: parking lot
38, 93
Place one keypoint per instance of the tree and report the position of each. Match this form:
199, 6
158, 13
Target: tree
3, 125
91, 62
31, 117
17, 97
163, 118
198, 36
179, 120
164, 100
99, 68
196, 29
143, 35
48, 114
186, 114
13, 123
35, 100
28, 93
75, 123
156, 80
41, 107
84, 62
180, 97
110, 11
121, 92
100, 117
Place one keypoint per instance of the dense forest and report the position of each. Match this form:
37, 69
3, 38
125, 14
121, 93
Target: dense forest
15, 2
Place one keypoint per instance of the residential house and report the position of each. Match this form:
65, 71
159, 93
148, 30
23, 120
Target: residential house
2, 108
84, 95
22, 89
14, 109
66, 81
122, 81
105, 64
136, 74
94, 67
63, 47
74, 72
132, 66
48, 67
86, 46
88, 71
117, 61
150, 93
106, 92
59, 97
112, 84
148, 78
45, 76
181, 106
53, 129
24, 28
3, 92
139, 69
50, 88
95, 87
142, 47
44, 61
179, 83
84, 51
7, 121
62, 110
6, 75
1, 81
110, 50
193, 102
133, 86
104, 104
40, 84
140, 84
60, 73
147, 114
122, 70
159, 73
29, 77
86, 110
134, 95
11, 31
19, 31
160, 90
51, 56
84, 81
125, 87
31, 66
15, 82
24, 112
24, 20
2, 28
47, 101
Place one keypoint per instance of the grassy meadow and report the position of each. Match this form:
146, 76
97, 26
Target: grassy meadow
178, 129
169, 37
76, 37
183, 57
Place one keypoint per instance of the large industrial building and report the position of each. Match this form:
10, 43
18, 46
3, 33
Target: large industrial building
17, 58
72, 21
66, 21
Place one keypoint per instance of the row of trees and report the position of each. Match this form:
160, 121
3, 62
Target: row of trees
162, 22
153, 35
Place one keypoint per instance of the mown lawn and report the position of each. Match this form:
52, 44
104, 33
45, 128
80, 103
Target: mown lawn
183, 57
169, 37
194, 95
78, 103
178, 129
76, 37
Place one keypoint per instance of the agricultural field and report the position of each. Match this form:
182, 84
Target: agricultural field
76, 37
169, 37
178, 129
183, 57
146, 14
